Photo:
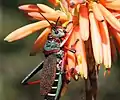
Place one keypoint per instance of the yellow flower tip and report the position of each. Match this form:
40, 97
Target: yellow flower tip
80, 71
7, 39
85, 77
106, 66
76, 77
79, 59
25, 7
22, 7
29, 8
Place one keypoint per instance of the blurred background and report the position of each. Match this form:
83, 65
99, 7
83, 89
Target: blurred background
15, 62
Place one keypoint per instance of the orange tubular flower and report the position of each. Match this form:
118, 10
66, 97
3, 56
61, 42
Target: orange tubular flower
95, 20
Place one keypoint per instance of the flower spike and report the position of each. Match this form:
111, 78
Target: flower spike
87, 43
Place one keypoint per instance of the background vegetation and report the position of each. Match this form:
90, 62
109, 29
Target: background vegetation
15, 62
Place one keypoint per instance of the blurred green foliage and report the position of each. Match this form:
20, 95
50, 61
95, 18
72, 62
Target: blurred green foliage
15, 62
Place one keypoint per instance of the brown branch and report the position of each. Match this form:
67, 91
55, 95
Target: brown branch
91, 84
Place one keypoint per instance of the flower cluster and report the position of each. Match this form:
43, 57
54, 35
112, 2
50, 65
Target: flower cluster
95, 20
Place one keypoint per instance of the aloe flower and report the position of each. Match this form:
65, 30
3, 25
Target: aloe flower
93, 33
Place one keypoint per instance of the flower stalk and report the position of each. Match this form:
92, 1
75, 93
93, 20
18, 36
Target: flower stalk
93, 22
